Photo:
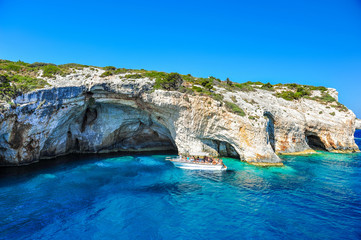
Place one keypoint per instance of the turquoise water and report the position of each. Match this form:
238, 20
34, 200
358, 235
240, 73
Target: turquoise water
145, 197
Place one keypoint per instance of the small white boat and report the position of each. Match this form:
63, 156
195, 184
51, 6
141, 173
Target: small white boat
194, 165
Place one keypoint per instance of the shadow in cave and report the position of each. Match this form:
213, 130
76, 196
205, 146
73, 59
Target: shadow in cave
270, 130
314, 141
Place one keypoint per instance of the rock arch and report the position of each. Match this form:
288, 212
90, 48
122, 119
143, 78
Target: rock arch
220, 148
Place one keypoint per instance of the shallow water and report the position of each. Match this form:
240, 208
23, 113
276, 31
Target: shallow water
145, 197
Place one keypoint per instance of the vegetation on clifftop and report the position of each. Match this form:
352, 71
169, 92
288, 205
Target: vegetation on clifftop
15, 85
20, 77
49, 70
234, 108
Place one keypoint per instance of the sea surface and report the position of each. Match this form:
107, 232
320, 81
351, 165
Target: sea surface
146, 197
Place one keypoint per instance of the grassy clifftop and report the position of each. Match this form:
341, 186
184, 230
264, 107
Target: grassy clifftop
20, 77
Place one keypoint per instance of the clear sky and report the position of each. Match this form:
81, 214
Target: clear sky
316, 42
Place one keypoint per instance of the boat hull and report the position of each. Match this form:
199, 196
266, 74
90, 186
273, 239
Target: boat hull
196, 166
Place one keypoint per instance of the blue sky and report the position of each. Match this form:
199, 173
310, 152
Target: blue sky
306, 42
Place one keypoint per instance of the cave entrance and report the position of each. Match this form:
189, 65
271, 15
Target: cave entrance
133, 129
224, 149
314, 141
270, 130
109, 128
142, 136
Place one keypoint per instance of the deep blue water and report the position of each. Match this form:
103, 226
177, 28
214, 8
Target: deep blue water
145, 197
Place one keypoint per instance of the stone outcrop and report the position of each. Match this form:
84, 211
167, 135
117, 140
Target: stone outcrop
90, 114
358, 124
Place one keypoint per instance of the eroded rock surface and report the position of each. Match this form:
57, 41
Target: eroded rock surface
358, 124
95, 115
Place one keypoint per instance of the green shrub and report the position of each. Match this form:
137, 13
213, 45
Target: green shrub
207, 83
120, 70
245, 87
13, 86
290, 95
73, 65
234, 108
340, 107
189, 91
136, 75
50, 70
155, 74
109, 68
197, 89
106, 74
40, 64
322, 89
188, 78
182, 89
214, 79
267, 86
333, 113
7, 91
22, 63
13, 67
217, 97
327, 98
234, 99
287, 95
292, 85
28, 83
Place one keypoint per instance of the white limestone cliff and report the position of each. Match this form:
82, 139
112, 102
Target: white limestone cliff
358, 124
84, 113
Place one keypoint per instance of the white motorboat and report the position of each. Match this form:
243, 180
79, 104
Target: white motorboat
196, 165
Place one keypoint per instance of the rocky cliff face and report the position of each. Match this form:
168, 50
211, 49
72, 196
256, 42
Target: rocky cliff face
358, 124
83, 113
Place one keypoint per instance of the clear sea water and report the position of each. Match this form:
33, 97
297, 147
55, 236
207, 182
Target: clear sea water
145, 197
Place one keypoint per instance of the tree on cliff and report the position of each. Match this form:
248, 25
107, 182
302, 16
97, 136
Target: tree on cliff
171, 82
229, 82
7, 90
